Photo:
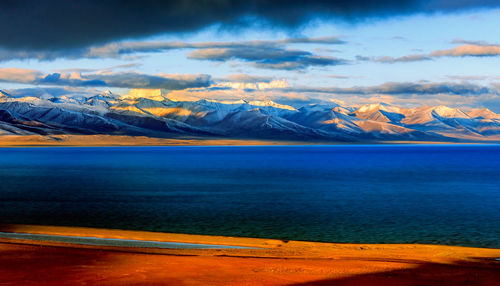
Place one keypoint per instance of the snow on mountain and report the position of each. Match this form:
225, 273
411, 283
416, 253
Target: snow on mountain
444, 111
325, 117
450, 122
149, 113
256, 124
377, 107
483, 113
380, 112
270, 103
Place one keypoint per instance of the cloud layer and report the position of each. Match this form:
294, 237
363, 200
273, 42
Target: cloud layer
471, 49
109, 79
405, 88
61, 24
123, 49
267, 57
404, 93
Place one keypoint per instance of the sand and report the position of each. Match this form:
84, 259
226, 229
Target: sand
117, 140
121, 140
269, 262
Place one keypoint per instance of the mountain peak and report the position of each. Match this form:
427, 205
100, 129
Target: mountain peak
268, 102
149, 113
445, 111
482, 113
107, 93
377, 107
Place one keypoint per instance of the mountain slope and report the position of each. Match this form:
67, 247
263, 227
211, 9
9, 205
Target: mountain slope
158, 116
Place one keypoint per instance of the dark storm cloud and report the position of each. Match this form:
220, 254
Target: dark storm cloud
62, 24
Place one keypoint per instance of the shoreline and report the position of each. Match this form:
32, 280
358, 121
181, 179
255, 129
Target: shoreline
9, 141
263, 262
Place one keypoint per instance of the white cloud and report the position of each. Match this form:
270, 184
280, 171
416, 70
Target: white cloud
18, 75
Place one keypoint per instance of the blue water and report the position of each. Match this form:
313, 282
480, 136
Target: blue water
441, 194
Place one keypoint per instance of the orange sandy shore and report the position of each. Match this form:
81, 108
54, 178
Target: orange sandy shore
271, 262
118, 140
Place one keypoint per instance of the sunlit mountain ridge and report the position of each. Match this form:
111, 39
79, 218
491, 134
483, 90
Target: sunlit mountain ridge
138, 114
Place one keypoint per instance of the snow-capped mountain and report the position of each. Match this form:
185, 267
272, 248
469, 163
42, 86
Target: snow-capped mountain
157, 116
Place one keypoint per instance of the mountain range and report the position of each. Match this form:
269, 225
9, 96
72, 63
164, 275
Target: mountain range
136, 114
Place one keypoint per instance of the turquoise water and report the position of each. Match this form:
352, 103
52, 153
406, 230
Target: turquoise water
440, 194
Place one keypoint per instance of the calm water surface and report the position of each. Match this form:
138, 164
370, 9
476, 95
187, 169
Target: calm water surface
371, 194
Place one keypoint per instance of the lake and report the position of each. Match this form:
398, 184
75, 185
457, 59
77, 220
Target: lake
439, 194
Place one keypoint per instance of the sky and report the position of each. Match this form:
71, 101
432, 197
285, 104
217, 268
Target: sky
408, 53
